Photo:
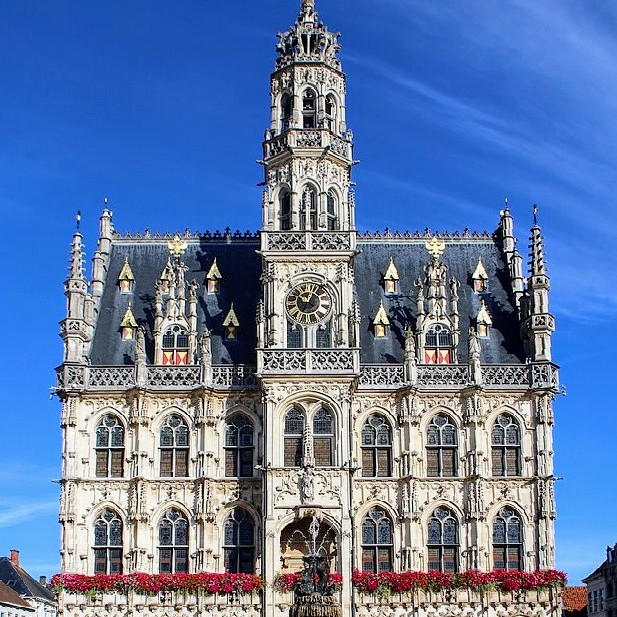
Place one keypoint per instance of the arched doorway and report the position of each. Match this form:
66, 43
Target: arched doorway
303, 537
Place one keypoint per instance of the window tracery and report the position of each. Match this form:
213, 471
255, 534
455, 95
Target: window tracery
175, 346
308, 208
174, 448
109, 448
377, 541
309, 109
293, 437
239, 542
331, 211
285, 210
173, 542
442, 544
239, 447
438, 345
376, 447
441, 447
108, 543
323, 437
506, 446
507, 540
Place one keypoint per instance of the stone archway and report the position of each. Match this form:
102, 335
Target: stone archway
297, 542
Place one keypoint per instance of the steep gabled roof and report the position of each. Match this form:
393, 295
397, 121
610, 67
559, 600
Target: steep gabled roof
22, 583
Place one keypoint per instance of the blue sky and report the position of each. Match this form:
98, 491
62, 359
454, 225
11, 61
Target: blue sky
455, 105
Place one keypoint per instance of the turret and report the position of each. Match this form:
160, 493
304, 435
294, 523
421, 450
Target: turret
513, 259
101, 255
75, 329
539, 323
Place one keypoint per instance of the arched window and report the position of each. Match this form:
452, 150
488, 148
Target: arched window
285, 209
376, 448
309, 109
332, 219
174, 448
308, 208
294, 429
239, 542
175, 346
239, 447
506, 446
108, 543
323, 437
377, 542
109, 448
507, 540
441, 449
286, 111
174, 542
330, 110
294, 335
438, 345
323, 335
442, 541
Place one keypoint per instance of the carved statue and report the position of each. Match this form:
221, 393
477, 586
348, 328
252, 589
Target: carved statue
205, 348
140, 356
315, 576
475, 369
307, 484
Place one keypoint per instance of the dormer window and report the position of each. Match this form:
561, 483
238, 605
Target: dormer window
483, 321
128, 325
381, 323
175, 346
391, 278
285, 208
214, 278
286, 111
332, 219
438, 345
480, 277
126, 280
309, 109
231, 324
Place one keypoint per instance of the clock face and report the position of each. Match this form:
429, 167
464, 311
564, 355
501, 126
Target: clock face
308, 303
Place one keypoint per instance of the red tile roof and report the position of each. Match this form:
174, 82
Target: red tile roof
574, 598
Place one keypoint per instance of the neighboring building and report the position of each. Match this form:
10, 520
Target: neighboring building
12, 604
38, 597
575, 601
602, 587
220, 390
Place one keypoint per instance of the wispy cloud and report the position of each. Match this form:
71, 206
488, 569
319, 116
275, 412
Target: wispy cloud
24, 511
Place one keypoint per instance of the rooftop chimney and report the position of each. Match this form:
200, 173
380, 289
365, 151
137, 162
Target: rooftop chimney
14, 557
43, 581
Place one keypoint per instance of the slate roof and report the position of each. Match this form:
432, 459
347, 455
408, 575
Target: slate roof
22, 583
240, 267
8, 596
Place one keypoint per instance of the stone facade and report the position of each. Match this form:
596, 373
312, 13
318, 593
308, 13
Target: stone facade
221, 390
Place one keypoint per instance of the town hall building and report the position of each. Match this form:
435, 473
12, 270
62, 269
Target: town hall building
222, 392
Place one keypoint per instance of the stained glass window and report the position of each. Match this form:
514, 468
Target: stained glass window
377, 541
109, 448
441, 447
173, 542
239, 447
174, 448
108, 543
376, 448
239, 542
442, 544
